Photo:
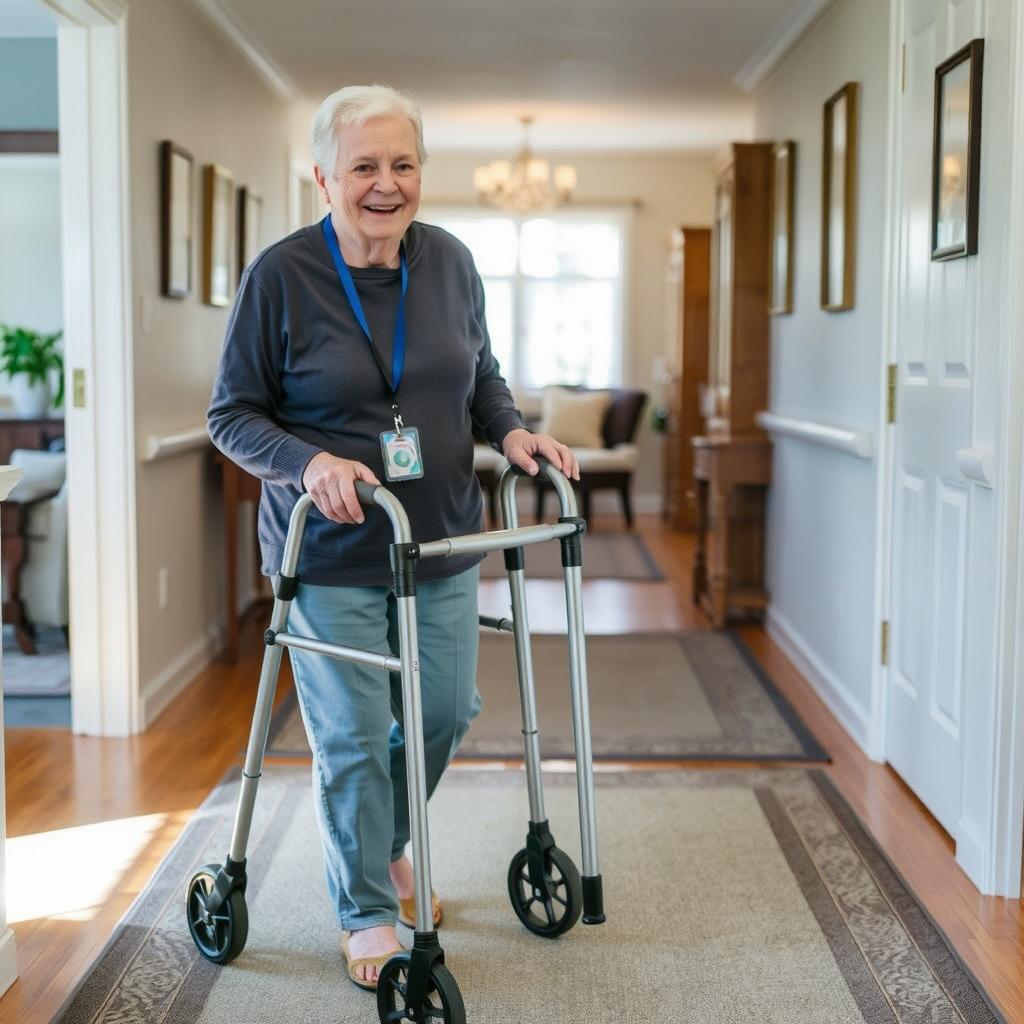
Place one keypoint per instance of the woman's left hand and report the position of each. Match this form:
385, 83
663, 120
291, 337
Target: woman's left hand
519, 445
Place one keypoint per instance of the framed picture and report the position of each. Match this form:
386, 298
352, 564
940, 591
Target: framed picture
176, 220
956, 153
783, 178
218, 235
839, 200
250, 211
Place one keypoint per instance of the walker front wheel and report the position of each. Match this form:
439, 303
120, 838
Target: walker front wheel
551, 907
442, 1004
219, 934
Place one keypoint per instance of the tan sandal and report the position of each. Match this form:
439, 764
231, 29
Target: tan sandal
407, 910
364, 961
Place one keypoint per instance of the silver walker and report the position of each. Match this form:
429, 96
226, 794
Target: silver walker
544, 885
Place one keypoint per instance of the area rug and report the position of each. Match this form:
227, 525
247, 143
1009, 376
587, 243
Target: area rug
739, 896
46, 673
37, 713
612, 556
698, 695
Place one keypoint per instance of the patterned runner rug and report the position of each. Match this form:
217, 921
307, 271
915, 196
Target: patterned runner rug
613, 556
697, 695
737, 895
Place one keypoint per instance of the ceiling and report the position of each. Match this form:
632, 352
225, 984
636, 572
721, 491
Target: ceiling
594, 73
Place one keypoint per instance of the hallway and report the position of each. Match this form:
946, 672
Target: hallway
151, 784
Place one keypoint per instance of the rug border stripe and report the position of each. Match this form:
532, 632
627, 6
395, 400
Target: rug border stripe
932, 941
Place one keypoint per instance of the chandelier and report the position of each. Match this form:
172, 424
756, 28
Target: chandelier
524, 185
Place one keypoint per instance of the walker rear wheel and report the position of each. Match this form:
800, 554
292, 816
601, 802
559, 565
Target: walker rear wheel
443, 1003
552, 908
219, 935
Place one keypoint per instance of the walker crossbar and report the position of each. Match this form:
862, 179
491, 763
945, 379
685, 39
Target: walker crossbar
495, 540
337, 651
216, 894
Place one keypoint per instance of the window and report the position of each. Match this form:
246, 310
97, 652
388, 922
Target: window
554, 289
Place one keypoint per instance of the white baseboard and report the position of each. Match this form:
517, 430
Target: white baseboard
853, 718
8, 961
166, 685
973, 856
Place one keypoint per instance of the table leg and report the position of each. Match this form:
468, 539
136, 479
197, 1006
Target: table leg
231, 561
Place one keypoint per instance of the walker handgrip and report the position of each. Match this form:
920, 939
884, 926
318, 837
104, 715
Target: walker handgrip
541, 463
365, 492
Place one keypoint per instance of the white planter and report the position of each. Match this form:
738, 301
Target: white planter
31, 398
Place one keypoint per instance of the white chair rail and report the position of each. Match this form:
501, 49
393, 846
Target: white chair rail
163, 446
854, 442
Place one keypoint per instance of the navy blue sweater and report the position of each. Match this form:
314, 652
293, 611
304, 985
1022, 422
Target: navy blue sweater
297, 377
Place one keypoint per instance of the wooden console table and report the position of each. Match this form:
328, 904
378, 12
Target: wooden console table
237, 486
731, 477
13, 521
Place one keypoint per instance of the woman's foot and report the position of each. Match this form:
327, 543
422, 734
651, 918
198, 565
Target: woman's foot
402, 878
372, 942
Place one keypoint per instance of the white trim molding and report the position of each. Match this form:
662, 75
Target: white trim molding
235, 34
777, 46
850, 715
162, 446
852, 442
92, 48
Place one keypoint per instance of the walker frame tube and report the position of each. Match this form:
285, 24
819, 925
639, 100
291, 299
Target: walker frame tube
593, 912
407, 664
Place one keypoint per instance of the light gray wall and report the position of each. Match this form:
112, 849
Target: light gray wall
826, 366
28, 85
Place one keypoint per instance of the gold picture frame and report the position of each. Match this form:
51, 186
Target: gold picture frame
218, 235
250, 226
175, 220
839, 200
780, 299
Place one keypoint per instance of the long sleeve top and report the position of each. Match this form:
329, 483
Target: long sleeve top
297, 377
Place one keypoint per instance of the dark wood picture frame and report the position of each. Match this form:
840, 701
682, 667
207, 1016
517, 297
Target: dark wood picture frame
219, 256
250, 223
176, 224
974, 54
844, 219
780, 291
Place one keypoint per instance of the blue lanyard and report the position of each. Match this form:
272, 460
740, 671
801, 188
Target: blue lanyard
398, 349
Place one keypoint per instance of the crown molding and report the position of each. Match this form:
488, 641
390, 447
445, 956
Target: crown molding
233, 32
774, 50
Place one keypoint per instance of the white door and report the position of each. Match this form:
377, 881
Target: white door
936, 348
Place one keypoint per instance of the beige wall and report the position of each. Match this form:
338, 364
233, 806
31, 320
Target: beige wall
826, 367
672, 188
185, 84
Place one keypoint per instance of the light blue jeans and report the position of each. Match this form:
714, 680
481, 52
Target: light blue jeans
353, 718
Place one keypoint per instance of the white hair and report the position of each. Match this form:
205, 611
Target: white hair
355, 105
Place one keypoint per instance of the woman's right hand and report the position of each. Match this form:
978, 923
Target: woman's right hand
330, 482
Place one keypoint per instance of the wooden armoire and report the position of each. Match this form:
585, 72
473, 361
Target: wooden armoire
686, 367
732, 459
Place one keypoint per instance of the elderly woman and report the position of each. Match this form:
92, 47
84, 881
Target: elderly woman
357, 349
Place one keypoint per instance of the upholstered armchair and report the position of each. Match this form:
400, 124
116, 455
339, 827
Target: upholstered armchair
607, 456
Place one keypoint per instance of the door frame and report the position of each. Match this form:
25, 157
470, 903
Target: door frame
100, 430
991, 861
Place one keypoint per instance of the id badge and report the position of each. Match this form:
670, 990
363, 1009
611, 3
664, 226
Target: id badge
402, 459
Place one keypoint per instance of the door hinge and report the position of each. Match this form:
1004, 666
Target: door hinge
885, 642
890, 394
78, 388
903, 70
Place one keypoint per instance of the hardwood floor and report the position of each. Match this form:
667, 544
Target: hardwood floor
146, 788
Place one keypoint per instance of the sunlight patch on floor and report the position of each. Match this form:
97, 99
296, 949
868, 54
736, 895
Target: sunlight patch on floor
70, 872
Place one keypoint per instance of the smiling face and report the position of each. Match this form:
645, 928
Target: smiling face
374, 191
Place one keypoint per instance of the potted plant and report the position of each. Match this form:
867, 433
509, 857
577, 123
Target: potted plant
28, 358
